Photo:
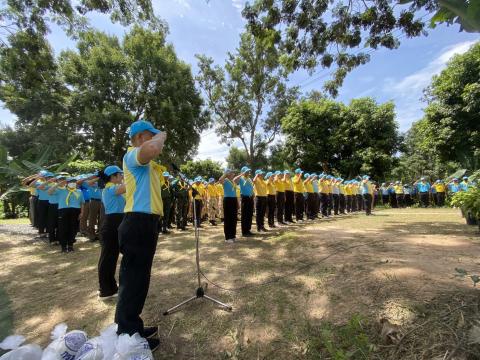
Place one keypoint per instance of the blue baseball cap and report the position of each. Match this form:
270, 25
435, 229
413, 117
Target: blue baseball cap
43, 173
306, 175
259, 172
227, 171
72, 178
245, 169
166, 174
142, 125
268, 174
298, 171
455, 179
286, 172
366, 177
278, 172
112, 169
465, 178
211, 180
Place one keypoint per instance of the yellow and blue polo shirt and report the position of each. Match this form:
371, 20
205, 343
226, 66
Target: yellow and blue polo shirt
143, 184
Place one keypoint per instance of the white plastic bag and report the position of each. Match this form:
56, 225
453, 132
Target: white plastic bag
64, 345
25, 352
132, 347
101, 347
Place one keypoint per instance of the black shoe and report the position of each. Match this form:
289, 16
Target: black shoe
64, 250
249, 234
165, 232
150, 332
153, 344
70, 249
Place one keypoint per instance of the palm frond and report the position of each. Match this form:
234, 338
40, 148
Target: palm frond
62, 166
14, 189
44, 156
34, 168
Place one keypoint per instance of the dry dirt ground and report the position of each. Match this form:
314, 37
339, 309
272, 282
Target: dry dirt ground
307, 291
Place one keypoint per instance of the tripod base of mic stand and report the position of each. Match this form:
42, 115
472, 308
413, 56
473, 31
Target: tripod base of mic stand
199, 294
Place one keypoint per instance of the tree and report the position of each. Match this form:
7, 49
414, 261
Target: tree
114, 83
453, 111
36, 16
332, 137
248, 96
312, 33
205, 168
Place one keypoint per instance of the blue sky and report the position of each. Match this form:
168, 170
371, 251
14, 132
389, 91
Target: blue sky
213, 28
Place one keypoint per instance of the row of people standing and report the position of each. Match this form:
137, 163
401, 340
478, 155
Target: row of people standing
397, 194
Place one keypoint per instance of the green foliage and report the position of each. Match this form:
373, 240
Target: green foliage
328, 136
349, 341
114, 83
248, 96
463, 12
468, 201
84, 166
237, 158
453, 112
314, 33
205, 168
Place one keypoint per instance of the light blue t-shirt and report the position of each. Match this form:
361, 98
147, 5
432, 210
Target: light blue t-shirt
423, 187
94, 192
113, 203
69, 199
315, 186
246, 186
384, 190
53, 198
454, 188
229, 189
42, 194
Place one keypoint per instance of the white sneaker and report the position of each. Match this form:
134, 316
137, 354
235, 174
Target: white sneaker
230, 241
104, 298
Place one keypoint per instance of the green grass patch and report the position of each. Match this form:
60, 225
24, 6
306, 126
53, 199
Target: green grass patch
19, 221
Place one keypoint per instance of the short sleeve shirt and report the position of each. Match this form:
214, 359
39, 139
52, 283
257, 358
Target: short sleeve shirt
114, 203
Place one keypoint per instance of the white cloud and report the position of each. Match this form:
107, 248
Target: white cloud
183, 3
407, 92
211, 148
420, 79
238, 4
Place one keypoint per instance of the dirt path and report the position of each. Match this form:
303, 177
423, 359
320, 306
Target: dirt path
319, 275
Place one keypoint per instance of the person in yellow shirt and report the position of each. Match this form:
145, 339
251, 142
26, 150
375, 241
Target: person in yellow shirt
198, 198
280, 200
343, 200
289, 197
260, 188
212, 201
440, 190
310, 203
329, 187
219, 187
399, 194
271, 195
299, 189
348, 195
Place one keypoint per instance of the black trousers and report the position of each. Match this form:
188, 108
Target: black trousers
360, 202
342, 202
440, 198
310, 205
107, 263
33, 209
246, 214
280, 206
348, 203
289, 205
336, 203
393, 200
260, 208
198, 211
68, 224
408, 200
317, 204
230, 212
42, 212
424, 200
271, 210
167, 206
367, 199
330, 204
299, 206
52, 222
181, 212
400, 200
138, 236
385, 199
324, 203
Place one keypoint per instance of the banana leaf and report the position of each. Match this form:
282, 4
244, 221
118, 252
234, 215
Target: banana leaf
13, 190
457, 174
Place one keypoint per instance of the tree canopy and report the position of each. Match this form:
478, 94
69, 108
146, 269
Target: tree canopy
205, 168
325, 135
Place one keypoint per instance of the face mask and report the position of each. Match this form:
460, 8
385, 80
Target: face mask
72, 185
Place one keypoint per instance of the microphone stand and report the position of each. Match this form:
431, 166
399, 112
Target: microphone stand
200, 292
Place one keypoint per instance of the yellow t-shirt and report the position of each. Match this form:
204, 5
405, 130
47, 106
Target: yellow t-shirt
439, 188
260, 187
271, 190
298, 184
354, 189
219, 190
280, 185
341, 188
398, 189
211, 190
308, 186
201, 191
348, 189
288, 185
329, 187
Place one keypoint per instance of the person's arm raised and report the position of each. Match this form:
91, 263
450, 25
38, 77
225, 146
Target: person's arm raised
150, 149
121, 189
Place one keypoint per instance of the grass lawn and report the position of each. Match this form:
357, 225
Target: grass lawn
315, 290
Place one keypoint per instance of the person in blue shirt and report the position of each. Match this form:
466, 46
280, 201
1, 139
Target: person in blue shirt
113, 201
423, 187
407, 190
52, 216
230, 204
385, 193
70, 200
465, 184
453, 186
246, 195
42, 205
